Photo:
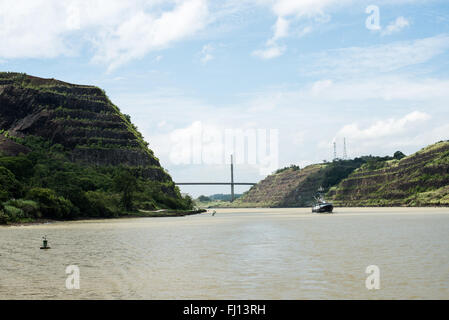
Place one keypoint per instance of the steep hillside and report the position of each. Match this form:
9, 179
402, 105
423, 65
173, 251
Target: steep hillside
288, 188
81, 118
71, 143
294, 187
421, 179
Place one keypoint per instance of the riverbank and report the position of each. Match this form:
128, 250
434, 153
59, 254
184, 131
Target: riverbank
140, 214
244, 205
166, 213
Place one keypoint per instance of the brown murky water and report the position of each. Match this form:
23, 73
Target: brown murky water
237, 254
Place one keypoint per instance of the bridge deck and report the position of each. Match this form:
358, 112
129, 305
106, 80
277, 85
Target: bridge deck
215, 183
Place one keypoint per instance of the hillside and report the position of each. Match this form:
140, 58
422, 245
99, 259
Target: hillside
56, 136
421, 179
295, 187
81, 118
287, 188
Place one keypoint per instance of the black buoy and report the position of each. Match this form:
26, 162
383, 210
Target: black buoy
45, 243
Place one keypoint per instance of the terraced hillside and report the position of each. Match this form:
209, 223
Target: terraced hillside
421, 179
67, 151
289, 188
80, 118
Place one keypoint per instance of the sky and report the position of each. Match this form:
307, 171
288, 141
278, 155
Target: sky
274, 82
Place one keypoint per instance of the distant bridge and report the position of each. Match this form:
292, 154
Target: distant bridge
215, 184
232, 183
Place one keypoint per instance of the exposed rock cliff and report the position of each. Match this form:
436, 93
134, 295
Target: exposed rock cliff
289, 188
80, 118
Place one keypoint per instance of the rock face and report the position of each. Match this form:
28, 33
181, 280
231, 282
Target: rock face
10, 148
80, 118
421, 179
290, 188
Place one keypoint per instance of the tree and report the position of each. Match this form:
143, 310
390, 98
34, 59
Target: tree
126, 183
398, 155
203, 199
50, 204
9, 186
188, 201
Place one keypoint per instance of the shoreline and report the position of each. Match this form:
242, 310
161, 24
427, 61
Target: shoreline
164, 213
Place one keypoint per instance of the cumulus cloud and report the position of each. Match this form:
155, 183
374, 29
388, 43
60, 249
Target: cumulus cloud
396, 26
412, 131
271, 52
287, 10
272, 48
383, 128
119, 31
280, 29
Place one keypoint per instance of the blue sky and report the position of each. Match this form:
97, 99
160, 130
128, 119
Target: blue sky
310, 70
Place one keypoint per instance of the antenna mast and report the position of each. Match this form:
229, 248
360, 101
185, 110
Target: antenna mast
345, 153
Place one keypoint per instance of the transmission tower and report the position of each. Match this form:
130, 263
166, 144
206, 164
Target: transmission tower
345, 153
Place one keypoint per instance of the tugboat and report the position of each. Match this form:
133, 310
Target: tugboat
321, 205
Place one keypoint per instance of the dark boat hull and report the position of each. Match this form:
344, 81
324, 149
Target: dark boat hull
323, 208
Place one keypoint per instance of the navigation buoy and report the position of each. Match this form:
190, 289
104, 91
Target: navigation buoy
45, 243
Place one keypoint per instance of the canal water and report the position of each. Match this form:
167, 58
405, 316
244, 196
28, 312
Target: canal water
236, 254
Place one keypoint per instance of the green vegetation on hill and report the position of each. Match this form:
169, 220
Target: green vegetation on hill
67, 152
421, 179
45, 184
295, 187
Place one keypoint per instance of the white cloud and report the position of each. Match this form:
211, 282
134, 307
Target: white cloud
380, 58
119, 31
396, 26
291, 9
144, 32
270, 52
303, 8
280, 29
272, 49
408, 133
383, 128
